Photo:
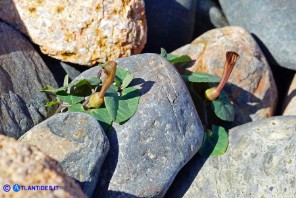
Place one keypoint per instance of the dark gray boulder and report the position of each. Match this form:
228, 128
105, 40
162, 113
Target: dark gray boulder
170, 22
259, 162
22, 76
209, 15
272, 23
147, 151
76, 141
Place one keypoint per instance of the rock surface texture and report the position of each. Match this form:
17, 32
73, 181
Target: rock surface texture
251, 85
22, 76
170, 22
147, 151
27, 166
260, 162
277, 32
82, 32
76, 141
290, 100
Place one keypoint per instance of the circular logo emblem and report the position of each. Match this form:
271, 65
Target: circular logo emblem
6, 188
16, 188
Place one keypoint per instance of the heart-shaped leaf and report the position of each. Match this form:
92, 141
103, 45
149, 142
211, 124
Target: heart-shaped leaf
103, 116
128, 104
127, 80
112, 101
94, 81
174, 59
215, 142
68, 98
200, 77
223, 108
76, 108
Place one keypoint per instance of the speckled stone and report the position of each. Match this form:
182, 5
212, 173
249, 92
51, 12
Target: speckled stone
82, 32
76, 141
251, 85
259, 162
22, 75
148, 150
26, 165
289, 107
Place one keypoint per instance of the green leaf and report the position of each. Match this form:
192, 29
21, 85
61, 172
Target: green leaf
128, 104
66, 80
74, 84
103, 116
178, 59
51, 103
68, 98
215, 142
200, 77
112, 101
120, 74
223, 108
76, 108
50, 89
173, 58
163, 52
94, 81
127, 80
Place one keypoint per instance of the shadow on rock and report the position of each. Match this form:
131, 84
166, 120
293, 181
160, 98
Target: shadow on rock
108, 166
185, 177
282, 76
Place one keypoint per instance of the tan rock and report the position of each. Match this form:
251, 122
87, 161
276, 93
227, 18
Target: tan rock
26, 166
289, 107
252, 87
82, 32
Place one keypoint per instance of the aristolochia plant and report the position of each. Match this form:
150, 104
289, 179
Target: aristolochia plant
108, 100
212, 103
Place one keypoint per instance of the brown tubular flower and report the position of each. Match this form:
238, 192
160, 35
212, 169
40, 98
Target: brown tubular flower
97, 99
231, 59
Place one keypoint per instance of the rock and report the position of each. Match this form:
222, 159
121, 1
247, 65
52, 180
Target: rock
22, 75
259, 162
170, 22
252, 87
276, 35
147, 151
76, 141
60, 69
26, 166
289, 107
82, 32
209, 15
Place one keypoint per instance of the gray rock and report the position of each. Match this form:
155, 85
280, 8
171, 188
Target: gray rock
272, 22
260, 162
76, 141
170, 22
26, 165
22, 76
147, 151
209, 15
